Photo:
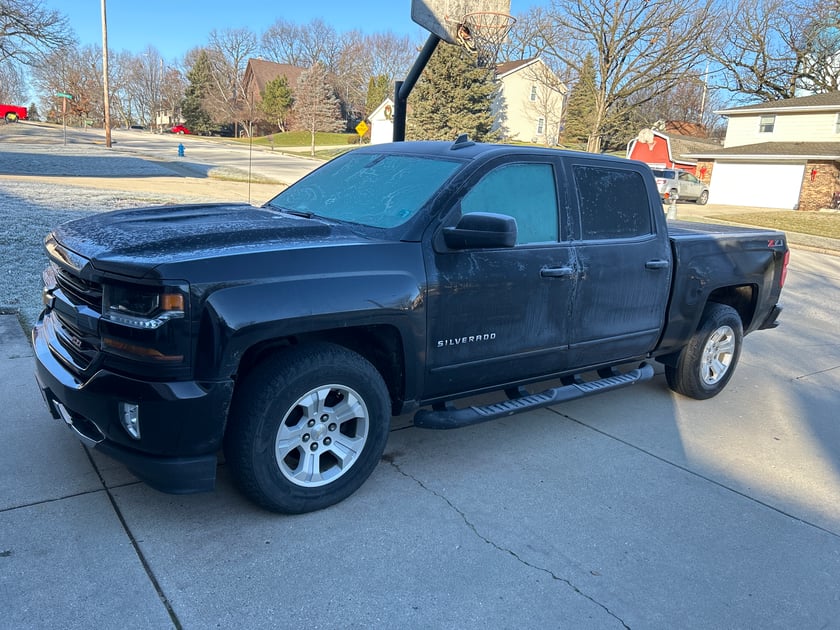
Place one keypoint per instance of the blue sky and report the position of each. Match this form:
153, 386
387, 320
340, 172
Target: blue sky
175, 26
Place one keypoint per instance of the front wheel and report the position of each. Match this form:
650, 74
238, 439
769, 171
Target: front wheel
11, 117
703, 198
307, 428
707, 362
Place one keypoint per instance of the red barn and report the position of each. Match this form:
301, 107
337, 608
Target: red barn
663, 151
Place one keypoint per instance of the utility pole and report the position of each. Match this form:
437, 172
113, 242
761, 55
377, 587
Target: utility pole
106, 98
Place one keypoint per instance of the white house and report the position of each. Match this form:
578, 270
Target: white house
530, 101
782, 154
382, 122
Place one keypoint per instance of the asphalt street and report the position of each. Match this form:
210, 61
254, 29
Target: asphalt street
633, 509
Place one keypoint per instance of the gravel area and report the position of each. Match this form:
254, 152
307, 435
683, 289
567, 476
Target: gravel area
29, 209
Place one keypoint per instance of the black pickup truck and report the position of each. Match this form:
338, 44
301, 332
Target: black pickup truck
396, 278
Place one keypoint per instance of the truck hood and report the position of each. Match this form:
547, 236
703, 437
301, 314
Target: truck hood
128, 241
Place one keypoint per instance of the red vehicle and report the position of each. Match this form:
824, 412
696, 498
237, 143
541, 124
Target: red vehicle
12, 113
180, 129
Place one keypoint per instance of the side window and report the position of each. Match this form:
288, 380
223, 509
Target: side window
526, 192
767, 123
613, 203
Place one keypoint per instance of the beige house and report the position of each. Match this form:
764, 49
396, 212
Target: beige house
782, 154
530, 101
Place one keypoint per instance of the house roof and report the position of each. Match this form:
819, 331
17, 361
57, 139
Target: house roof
683, 146
507, 67
777, 151
830, 101
264, 71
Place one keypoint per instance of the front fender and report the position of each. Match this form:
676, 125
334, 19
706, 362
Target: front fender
247, 315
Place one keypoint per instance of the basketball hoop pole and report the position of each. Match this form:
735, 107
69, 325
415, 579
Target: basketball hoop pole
403, 88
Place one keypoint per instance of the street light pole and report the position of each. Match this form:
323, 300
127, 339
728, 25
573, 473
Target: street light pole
106, 97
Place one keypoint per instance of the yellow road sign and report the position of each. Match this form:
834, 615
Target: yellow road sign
362, 128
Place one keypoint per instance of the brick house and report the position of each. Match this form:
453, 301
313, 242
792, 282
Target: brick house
260, 72
782, 154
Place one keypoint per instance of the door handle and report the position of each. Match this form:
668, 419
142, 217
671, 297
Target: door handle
657, 264
558, 272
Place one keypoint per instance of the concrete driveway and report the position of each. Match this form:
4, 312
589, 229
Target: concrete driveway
635, 509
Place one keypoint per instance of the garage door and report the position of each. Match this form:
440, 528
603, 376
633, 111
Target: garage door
761, 185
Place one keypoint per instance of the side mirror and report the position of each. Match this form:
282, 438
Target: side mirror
481, 230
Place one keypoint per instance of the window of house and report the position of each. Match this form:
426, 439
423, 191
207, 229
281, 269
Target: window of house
501, 191
533, 96
766, 124
540, 126
613, 203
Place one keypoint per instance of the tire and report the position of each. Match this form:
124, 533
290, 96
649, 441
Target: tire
708, 361
306, 428
11, 117
703, 198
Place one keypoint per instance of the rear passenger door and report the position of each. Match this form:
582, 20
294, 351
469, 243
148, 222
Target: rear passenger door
625, 265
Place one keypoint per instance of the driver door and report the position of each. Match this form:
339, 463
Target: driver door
498, 315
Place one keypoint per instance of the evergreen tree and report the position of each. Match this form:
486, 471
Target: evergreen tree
277, 101
379, 88
452, 97
316, 106
33, 113
192, 107
580, 109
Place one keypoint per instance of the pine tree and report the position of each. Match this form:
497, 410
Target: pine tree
379, 88
277, 101
453, 96
192, 107
316, 106
580, 110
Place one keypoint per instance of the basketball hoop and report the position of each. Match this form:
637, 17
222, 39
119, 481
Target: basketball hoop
482, 34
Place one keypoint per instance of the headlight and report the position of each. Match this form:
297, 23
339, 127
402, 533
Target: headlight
142, 307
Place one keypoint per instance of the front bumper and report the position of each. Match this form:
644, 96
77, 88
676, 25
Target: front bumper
182, 422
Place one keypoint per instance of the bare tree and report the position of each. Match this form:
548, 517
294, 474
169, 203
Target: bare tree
636, 45
229, 51
302, 46
28, 30
12, 83
351, 59
75, 71
771, 48
316, 107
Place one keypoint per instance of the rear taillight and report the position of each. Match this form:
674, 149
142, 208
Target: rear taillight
783, 277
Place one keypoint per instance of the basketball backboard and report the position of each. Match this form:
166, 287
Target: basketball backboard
443, 17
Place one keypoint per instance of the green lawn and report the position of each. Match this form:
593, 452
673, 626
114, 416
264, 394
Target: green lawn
816, 223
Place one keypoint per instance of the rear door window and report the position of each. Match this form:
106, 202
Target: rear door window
613, 203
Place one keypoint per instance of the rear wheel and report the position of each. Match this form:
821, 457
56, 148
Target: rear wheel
11, 117
307, 428
707, 362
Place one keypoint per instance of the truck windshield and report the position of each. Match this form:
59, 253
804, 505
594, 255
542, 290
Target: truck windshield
376, 189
